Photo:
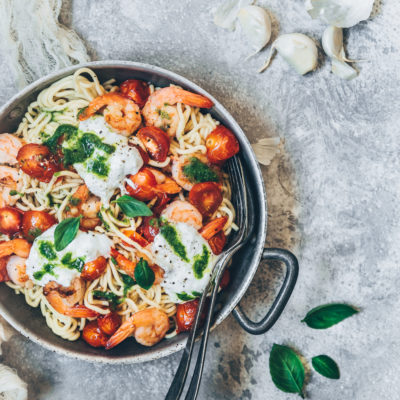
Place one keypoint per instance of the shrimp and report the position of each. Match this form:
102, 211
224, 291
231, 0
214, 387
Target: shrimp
148, 327
122, 113
178, 163
13, 255
19, 247
129, 267
165, 184
16, 270
65, 299
183, 211
9, 147
160, 111
10, 181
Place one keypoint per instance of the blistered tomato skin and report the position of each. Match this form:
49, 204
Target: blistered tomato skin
34, 223
94, 269
221, 144
206, 197
141, 185
93, 335
186, 314
109, 323
37, 161
156, 142
10, 220
217, 242
136, 90
150, 228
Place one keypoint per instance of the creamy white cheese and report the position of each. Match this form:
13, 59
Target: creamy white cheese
180, 281
123, 161
87, 246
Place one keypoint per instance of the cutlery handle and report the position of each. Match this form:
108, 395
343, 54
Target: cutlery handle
292, 271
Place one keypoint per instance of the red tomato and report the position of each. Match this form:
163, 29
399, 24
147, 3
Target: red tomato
37, 161
142, 185
156, 142
149, 228
206, 197
143, 154
109, 323
10, 220
136, 237
226, 277
93, 335
213, 227
93, 269
217, 242
186, 314
136, 90
34, 223
221, 144
162, 201
3, 269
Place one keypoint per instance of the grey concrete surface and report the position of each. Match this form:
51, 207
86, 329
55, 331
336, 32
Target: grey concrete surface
333, 199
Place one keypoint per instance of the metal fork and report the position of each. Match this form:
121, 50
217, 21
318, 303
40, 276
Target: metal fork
241, 205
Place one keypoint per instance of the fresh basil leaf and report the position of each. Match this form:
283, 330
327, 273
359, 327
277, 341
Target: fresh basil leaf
185, 297
325, 366
286, 369
109, 296
128, 282
327, 315
144, 275
132, 207
65, 232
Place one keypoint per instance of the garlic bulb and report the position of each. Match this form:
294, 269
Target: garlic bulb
256, 25
298, 50
332, 43
340, 13
226, 14
266, 149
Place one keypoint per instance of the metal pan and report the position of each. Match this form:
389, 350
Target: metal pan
30, 322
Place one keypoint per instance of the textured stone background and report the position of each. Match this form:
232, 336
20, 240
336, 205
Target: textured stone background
333, 199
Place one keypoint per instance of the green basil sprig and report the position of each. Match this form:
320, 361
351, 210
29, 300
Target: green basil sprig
65, 232
286, 369
144, 275
325, 366
132, 207
327, 315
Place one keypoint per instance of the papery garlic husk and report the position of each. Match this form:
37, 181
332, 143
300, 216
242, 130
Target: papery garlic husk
298, 50
332, 43
12, 387
225, 15
340, 13
266, 149
256, 25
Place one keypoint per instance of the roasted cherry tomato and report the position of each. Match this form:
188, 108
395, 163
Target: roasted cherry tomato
109, 323
217, 242
143, 154
34, 223
213, 227
37, 161
156, 142
226, 277
93, 335
136, 90
186, 314
141, 185
206, 197
136, 237
221, 144
10, 220
150, 228
162, 200
93, 269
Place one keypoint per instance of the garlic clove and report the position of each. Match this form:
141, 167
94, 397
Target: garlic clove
226, 14
332, 43
266, 149
343, 70
256, 25
340, 13
298, 50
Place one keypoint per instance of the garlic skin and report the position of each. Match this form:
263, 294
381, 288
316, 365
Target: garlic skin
298, 50
256, 25
226, 14
266, 149
340, 13
332, 43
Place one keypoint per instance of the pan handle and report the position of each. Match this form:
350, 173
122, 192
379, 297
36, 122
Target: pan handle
292, 270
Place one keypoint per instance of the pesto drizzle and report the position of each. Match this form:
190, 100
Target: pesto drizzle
172, 237
201, 263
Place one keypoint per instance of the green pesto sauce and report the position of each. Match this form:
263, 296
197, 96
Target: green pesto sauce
197, 172
201, 263
98, 166
47, 269
70, 263
47, 250
172, 237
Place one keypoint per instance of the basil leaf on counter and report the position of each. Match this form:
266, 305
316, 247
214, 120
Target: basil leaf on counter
144, 275
65, 232
132, 207
327, 315
286, 369
325, 366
